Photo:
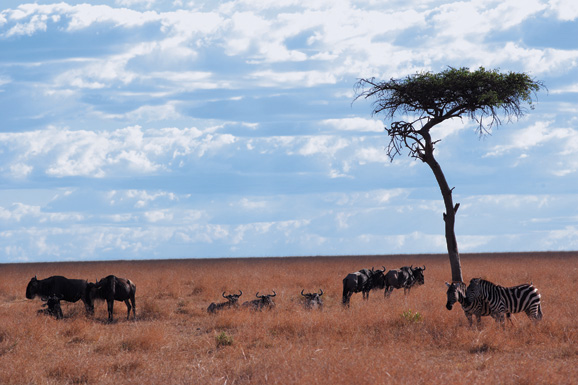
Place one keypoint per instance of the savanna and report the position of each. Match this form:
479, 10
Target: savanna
404, 339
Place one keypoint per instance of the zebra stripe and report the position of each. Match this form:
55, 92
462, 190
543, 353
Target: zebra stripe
504, 300
457, 293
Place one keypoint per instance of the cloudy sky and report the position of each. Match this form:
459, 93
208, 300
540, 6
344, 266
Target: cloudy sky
184, 129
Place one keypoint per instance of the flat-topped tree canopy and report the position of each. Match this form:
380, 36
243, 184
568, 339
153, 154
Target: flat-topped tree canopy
485, 96
427, 99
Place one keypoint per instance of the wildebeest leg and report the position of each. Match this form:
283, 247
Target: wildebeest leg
346, 298
110, 303
133, 307
58, 311
127, 302
388, 291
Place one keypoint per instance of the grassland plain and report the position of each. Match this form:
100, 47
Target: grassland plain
409, 339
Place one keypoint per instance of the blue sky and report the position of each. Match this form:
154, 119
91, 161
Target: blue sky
181, 129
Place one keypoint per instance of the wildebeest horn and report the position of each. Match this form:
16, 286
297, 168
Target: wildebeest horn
223, 295
302, 293
240, 292
423, 267
274, 294
320, 294
257, 295
383, 268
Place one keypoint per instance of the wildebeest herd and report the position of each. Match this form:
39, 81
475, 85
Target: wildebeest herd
480, 298
56, 288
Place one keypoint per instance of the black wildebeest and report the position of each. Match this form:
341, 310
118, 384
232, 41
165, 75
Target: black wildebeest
52, 306
405, 277
113, 289
263, 301
70, 290
232, 301
313, 300
363, 281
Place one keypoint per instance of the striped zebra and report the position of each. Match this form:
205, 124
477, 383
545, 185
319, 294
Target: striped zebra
457, 293
503, 300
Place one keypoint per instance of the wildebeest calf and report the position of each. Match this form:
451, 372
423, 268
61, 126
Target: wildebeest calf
113, 289
232, 301
263, 301
52, 306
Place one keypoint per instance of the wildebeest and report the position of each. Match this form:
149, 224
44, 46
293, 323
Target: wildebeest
363, 281
405, 277
232, 301
113, 289
263, 301
52, 306
313, 300
70, 290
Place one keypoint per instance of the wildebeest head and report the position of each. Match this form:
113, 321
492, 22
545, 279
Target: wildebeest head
264, 301
267, 297
418, 274
232, 297
32, 288
313, 299
93, 290
378, 278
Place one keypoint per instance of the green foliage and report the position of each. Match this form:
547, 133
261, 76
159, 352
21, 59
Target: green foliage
224, 340
411, 317
454, 92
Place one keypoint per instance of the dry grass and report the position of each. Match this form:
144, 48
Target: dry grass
411, 339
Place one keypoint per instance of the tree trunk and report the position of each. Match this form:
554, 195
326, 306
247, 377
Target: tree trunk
450, 214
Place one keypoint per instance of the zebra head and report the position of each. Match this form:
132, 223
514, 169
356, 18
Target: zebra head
453, 294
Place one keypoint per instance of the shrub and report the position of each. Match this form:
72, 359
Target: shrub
411, 317
223, 340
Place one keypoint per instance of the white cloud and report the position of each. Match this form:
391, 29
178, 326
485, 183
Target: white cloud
64, 152
566, 10
355, 124
531, 136
293, 79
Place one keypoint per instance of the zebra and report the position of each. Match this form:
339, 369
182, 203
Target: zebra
480, 308
503, 300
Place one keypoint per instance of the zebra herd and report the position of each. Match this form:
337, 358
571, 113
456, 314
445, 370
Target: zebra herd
484, 298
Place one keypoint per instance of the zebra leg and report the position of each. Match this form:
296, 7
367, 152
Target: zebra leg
469, 317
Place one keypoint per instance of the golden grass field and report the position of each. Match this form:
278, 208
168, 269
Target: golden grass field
410, 339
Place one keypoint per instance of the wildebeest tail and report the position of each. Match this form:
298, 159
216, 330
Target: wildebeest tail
345, 291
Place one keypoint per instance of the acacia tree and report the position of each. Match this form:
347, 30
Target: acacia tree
417, 103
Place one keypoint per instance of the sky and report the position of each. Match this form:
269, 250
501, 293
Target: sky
145, 129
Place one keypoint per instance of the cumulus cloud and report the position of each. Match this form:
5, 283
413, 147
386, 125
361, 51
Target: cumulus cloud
65, 152
531, 136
